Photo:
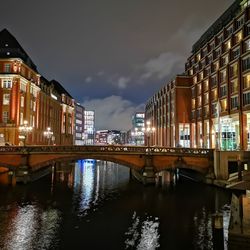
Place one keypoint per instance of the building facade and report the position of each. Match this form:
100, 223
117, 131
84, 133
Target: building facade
89, 127
209, 105
79, 124
137, 131
27, 98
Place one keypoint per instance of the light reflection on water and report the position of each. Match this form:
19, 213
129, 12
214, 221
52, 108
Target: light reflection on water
77, 205
143, 234
30, 228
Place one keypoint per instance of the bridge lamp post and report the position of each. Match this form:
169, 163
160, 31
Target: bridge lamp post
24, 130
48, 134
148, 131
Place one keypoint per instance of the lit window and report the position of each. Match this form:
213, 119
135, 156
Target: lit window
205, 85
195, 79
247, 45
238, 37
246, 81
193, 103
198, 57
233, 70
6, 99
206, 98
227, 45
22, 102
6, 83
234, 85
21, 118
224, 105
23, 87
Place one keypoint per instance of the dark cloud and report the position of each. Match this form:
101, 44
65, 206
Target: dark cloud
109, 48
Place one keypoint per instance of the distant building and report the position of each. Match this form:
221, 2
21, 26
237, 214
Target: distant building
137, 133
89, 127
79, 124
27, 98
101, 137
109, 137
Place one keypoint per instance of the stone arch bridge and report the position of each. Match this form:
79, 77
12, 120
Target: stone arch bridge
145, 160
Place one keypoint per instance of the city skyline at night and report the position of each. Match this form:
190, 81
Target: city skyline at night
110, 56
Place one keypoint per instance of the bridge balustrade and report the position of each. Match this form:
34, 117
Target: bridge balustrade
107, 149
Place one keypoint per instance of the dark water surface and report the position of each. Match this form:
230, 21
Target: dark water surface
97, 206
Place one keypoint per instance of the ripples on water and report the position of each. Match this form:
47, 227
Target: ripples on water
143, 234
96, 206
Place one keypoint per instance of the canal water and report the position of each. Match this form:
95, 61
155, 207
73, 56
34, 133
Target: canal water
96, 205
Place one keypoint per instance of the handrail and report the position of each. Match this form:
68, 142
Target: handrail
107, 149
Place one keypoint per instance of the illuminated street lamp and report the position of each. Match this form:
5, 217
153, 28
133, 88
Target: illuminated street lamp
148, 131
24, 130
48, 134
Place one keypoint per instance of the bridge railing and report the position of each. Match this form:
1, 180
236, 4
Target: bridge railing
107, 149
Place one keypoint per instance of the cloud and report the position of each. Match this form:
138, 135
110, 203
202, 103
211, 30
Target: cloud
113, 112
100, 73
162, 66
122, 82
88, 79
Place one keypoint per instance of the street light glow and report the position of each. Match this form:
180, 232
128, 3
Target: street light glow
24, 130
48, 134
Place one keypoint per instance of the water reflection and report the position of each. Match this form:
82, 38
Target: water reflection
27, 227
95, 205
96, 181
240, 214
143, 234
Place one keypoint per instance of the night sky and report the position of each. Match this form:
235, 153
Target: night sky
111, 55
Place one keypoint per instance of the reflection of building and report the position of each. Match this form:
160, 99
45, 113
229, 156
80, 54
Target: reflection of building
209, 105
239, 227
26, 95
79, 124
89, 127
137, 133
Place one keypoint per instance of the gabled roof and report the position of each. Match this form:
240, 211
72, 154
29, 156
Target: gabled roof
9, 48
60, 89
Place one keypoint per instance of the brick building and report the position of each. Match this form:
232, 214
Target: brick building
27, 96
209, 105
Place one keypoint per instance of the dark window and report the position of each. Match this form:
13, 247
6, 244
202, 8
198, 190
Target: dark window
223, 91
246, 64
246, 98
234, 102
235, 53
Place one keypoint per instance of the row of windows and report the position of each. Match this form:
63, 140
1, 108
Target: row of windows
6, 101
219, 40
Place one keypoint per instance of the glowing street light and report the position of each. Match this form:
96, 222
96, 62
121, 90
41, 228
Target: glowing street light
48, 134
24, 130
148, 131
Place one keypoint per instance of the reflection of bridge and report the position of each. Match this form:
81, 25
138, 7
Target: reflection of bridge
142, 159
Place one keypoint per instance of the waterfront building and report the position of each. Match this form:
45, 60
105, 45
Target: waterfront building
89, 127
27, 98
79, 124
208, 106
